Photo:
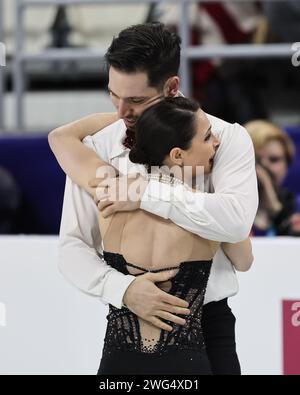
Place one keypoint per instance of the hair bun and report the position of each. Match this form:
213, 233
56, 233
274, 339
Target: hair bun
138, 155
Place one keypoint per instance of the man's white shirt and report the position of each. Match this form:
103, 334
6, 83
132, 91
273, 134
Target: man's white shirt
225, 215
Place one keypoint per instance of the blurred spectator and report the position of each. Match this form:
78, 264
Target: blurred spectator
10, 202
284, 19
277, 206
222, 91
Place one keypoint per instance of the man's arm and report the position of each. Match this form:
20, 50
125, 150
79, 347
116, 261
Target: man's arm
226, 215
76, 159
79, 242
80, 239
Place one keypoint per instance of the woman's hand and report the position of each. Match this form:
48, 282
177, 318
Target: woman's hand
119, 194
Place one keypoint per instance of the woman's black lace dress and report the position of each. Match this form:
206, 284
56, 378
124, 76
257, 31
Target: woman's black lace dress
133, 346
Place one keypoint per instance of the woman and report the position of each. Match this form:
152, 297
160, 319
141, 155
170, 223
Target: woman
277, 206
173, 132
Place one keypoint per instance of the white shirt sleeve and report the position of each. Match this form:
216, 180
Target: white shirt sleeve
80, 244
226, 215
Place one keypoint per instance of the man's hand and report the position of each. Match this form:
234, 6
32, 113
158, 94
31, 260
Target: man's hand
150, 303
119, 194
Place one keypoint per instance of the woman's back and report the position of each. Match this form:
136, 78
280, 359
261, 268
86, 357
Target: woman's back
138, 242
152, 242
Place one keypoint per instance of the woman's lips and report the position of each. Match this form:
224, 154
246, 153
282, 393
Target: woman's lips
211, 160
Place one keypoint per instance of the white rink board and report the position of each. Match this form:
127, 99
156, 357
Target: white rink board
48, 327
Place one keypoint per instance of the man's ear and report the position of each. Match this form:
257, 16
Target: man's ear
171, 87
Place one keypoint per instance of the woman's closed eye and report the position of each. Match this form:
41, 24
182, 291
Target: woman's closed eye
208, 134
208, 137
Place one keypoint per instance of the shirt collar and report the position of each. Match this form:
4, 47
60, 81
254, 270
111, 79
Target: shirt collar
118, 148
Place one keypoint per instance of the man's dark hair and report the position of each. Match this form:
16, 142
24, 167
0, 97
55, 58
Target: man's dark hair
168, 124
149, 48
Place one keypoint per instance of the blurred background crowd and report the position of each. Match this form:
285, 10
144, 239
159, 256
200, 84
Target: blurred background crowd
263, 94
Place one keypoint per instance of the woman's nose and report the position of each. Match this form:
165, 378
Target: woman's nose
216, 143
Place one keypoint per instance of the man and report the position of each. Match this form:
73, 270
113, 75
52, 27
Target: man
143, 67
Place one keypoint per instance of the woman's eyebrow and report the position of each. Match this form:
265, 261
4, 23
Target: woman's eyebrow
208, 131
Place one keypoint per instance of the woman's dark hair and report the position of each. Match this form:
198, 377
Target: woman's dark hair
167, 124
149, 48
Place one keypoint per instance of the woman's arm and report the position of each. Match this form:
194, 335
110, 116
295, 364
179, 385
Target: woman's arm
78, 161
240, 254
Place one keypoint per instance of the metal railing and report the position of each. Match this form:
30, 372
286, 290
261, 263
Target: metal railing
188, 52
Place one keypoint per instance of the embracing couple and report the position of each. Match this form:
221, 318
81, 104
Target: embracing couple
164, 261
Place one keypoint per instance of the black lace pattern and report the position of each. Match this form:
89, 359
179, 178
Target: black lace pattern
126, 332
